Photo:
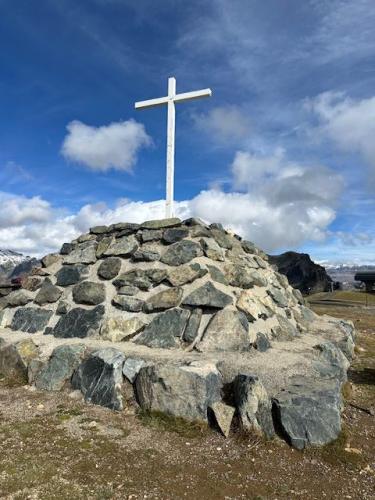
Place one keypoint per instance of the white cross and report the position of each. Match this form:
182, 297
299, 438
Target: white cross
170, 99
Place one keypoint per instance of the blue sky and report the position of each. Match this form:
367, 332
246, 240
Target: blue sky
283, 152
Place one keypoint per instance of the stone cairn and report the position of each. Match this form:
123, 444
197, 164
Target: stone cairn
183, 318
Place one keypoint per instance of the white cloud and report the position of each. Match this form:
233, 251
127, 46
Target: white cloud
224, 124
349, 123
16, 210
101, 148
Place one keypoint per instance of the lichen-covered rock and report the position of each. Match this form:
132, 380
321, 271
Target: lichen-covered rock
144, 279
48, 293
227, 331
242, 276
222, 238
145, 255
181, 391
151, 235
185, 274
253, 404
118, 329
79, 322
223, 416
109, 268
89, 292
208, 296
99, 378
217, 275
15, 358
60, 367
173, 235
30, 319
130, 304
181, 252
165, 330
166, 299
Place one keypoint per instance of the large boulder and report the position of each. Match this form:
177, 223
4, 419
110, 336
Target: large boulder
181, 391
15, 358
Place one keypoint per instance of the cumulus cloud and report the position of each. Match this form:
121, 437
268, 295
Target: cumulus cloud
224, 124
101, 148
274, 202
349, 123
16, 210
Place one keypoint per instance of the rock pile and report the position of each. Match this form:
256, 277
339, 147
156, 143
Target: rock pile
186, 319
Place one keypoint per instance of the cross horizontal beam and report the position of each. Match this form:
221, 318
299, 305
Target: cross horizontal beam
186, 96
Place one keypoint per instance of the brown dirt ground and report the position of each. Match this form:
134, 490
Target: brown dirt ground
55, 447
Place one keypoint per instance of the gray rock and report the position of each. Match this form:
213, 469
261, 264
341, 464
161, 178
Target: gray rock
31, 283
48, 293
103, 246
146, 255
67, 248
192, 327
308, 413
166, 299
62, 307
252, 306
124, 246
331, 363
249, 247
99, 229
86, 237
185, 274
211, 249
223, 416
226, 331
118, 329
85, 253
151, 235
89, 292
181, 252
165, 330
194, 221
217, 275
262, 343
200, 232
181, 391
222, 238
16, 358
109, 268
19, 298
130, 304
132, 367
286, 330
242, 276
30, 319
127, 290
144, 279
123, 226
217, 225
278, 297
253, 405
60, 367
79, 323
70, 275
161, 223
173, 235
50, 259
208, 296
99, 378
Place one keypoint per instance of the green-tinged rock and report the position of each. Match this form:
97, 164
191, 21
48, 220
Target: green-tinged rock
192, 327
60, 367
212, 250
124, 246
217, 275
70, 275
48, 293
85, 253
109, 268
181, 252
173, 235
185, 274
79, 323
165, 330
89, 292
19, 298
30, 319
161, 223
208, 296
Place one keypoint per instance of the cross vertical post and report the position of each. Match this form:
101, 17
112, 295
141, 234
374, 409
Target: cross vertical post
171, 127
170, 101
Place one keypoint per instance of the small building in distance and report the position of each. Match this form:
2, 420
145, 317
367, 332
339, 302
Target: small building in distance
368, 278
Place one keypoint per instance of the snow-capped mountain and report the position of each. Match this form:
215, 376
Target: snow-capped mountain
13, 264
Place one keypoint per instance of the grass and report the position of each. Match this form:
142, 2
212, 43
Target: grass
182, 427
357, 296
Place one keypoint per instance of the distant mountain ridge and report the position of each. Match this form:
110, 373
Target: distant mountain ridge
13, 264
